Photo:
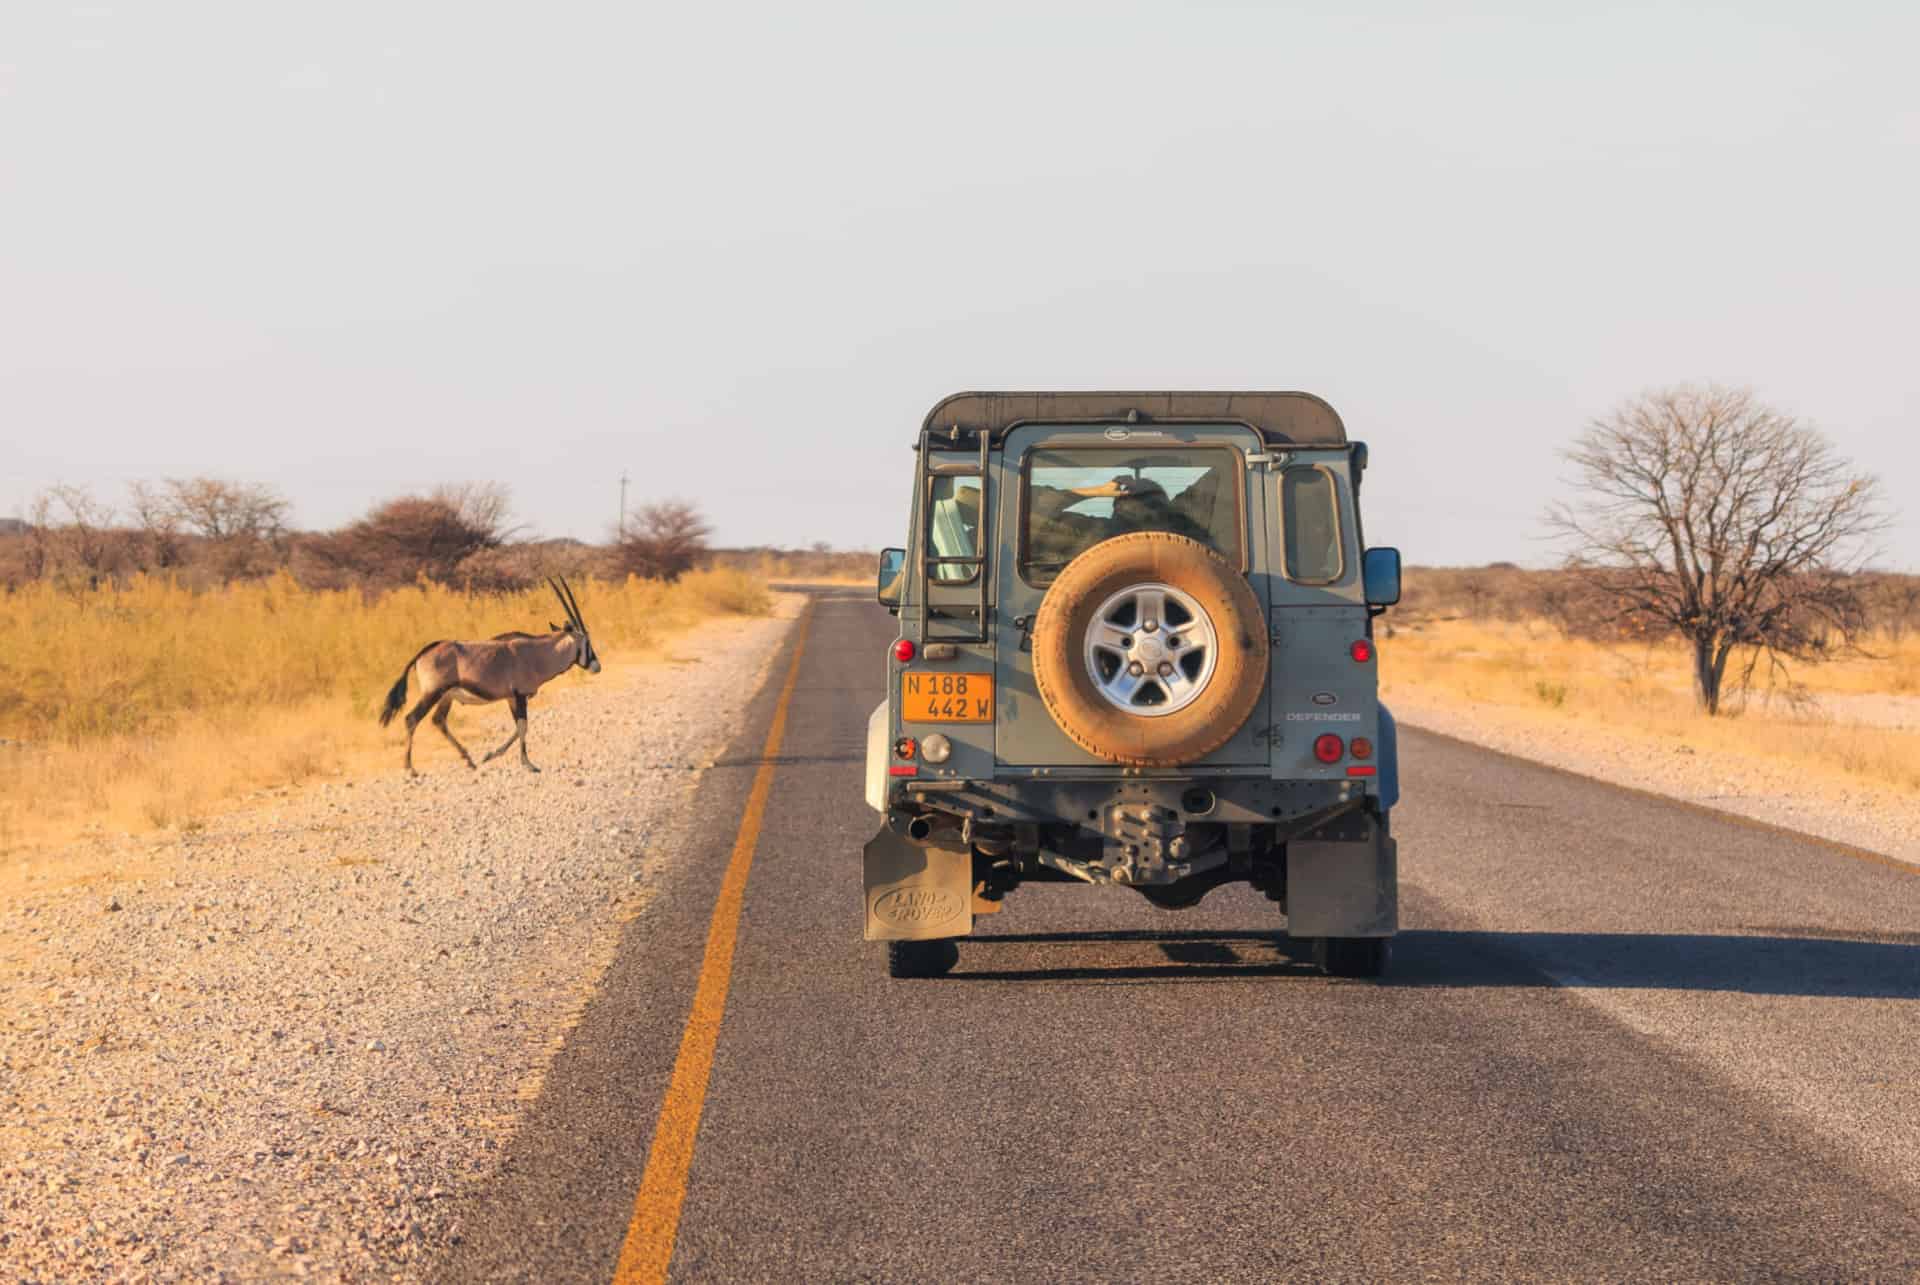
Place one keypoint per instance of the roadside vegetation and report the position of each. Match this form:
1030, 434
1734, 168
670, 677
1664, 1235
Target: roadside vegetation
1720, 520
1530, 646
819, 563
1715, 597
161, 660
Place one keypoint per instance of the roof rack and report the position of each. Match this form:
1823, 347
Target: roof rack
1282, 419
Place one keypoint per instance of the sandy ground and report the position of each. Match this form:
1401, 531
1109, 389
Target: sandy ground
279, 1046
1881, 820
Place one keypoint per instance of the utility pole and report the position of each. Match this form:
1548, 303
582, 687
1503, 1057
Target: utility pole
621, 525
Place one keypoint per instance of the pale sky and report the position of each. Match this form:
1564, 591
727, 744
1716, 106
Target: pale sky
357, 249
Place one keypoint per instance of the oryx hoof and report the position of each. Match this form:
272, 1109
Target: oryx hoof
530, 767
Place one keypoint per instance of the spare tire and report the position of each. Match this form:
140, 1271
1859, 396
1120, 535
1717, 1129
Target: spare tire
1149, 649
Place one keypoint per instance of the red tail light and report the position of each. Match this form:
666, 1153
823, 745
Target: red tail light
1362, 651
903, 650
1328, 748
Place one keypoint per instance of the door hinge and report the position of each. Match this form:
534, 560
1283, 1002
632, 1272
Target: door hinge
1025, 625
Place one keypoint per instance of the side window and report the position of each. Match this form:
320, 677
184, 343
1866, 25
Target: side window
953, 526
1310, 516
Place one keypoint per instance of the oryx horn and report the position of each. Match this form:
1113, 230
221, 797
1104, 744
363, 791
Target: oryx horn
573, 613
578, 619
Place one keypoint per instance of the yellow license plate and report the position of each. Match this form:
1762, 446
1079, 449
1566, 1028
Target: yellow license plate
946, 698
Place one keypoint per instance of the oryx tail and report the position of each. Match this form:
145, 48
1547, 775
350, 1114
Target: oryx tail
397, 694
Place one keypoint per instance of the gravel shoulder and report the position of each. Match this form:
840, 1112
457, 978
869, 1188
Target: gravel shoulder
281, 1046
1880, 820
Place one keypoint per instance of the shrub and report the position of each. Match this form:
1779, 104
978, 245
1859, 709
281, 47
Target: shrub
662, 541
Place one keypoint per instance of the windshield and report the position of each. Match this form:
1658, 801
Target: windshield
1078, 497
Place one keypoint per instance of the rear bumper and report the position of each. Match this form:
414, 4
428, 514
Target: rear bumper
1289, 806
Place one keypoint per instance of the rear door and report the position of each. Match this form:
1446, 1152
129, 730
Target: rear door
1319, 612
1204, 471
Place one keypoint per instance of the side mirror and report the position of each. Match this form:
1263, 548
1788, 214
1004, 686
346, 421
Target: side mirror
893, 577
1380, 573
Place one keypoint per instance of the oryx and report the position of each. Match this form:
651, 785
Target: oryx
508, 667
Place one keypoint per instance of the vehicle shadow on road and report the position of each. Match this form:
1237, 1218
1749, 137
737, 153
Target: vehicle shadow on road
1132, 956
1852, 966
1775, 961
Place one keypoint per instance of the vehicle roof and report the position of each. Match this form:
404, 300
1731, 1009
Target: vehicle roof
1290, 419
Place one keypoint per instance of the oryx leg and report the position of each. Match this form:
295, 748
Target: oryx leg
420, 711
440, 712
519, 706
520, 721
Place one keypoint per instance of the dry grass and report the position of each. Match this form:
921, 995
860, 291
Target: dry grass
146, 707
1822, 721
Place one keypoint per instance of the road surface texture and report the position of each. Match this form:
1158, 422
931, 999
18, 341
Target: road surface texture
1622, 1038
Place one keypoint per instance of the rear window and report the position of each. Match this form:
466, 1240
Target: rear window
1077, 497
1310, 517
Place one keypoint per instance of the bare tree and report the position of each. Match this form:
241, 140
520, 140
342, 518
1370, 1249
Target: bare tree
1735, 525
69, 533
214, 508
485, 508
159, 521
664, 540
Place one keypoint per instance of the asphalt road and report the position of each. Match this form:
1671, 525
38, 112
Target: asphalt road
1622, 1038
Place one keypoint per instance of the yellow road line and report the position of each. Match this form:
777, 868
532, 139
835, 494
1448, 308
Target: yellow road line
648, 1249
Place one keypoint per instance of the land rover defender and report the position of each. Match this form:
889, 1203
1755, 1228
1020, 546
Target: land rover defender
1136, 652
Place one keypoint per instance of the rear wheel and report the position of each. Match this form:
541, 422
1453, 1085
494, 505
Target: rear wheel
1353, 956
922, 958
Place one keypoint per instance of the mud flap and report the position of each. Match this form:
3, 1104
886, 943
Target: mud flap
1343, 880
916, 893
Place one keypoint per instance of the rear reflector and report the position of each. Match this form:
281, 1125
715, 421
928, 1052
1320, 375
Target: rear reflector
1362, 651
1356, 770
903, 650
904, 769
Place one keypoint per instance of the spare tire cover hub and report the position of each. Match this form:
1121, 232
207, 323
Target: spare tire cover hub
1151, 649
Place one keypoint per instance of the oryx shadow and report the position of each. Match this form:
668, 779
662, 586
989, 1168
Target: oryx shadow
1801, 962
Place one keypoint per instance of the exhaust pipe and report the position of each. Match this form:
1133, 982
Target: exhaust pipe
1198, 802
919, 828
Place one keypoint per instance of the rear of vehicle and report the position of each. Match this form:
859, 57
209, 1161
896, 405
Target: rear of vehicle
1136, 652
